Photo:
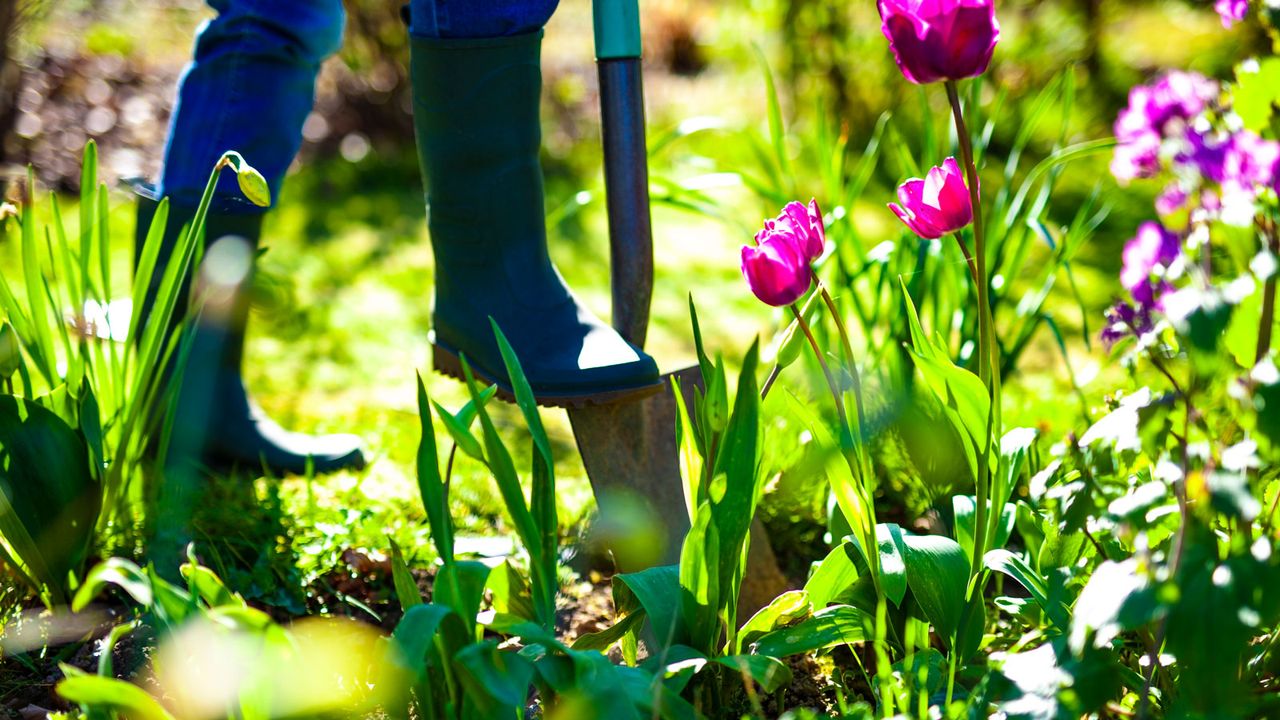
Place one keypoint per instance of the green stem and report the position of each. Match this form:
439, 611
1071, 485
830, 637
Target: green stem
1268, 300
854, 459
986, 337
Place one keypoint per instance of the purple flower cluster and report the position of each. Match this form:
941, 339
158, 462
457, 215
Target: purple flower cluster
1168, 125
1232, 11
1147, 257
1156, 112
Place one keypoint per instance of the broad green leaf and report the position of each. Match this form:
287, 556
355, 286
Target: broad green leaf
509, 591
497, 681
1116, 598
206, 585
49, 499
835, 574
785, 609
656, 591
768, 672
700, 590
960, 393
1007, 563
112, 695
460, 587
835, 625
938, 575
893, 570
604, 639
965, 508
415, 634
114, 571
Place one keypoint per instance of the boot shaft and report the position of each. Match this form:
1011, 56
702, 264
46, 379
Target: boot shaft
476, 114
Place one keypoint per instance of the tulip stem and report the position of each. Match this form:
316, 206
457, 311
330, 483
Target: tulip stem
826, 369
848, 351
987, 362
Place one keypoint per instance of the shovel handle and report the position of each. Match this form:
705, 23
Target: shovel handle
626, 165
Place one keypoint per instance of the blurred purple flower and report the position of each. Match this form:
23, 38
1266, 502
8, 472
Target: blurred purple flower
1172, 199
936, 205
777, 271
1232, 11
799, 225
1152, 248
1156, 112
936, 40
1251, 163
1125, 320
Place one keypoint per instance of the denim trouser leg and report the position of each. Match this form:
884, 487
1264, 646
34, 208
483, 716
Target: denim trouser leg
251, 83
249, 88
478, 18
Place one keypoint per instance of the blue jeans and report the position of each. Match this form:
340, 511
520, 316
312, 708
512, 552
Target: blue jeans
251, 83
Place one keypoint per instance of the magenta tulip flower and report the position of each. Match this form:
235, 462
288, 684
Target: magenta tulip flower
777, 270
799, 225
936, 205
936, 40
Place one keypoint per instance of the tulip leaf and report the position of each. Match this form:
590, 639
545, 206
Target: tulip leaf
938, 575
768, 672
836, 625
49, 499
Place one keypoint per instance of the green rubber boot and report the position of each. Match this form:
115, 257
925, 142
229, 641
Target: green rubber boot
476, 105
236, 432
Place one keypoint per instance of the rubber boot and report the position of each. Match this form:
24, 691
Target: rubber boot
237, 433
476, 111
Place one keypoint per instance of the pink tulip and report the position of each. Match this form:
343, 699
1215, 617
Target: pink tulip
937, 205
936, 40
777, 271
799, 225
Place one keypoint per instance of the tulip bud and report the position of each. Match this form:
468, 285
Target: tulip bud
937, 205
940, 40
10, 351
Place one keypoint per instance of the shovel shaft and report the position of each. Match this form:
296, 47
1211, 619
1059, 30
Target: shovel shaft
627, 195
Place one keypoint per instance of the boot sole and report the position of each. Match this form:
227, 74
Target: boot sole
447, 363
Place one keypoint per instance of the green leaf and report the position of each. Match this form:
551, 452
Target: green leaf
657, 591
785, 609
114, 571
206, 585
112, 695
498, 681
768, 672
460, 587
700, 590
1003, 561
893, 569
829, 627
960, 393
49, 500
938, 575
406, 587
605, 639
1256, 92
835, 574
460, 431
431, 486
965, 508
415, 634
1116, 598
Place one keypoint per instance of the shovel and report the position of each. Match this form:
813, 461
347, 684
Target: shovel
629, 449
